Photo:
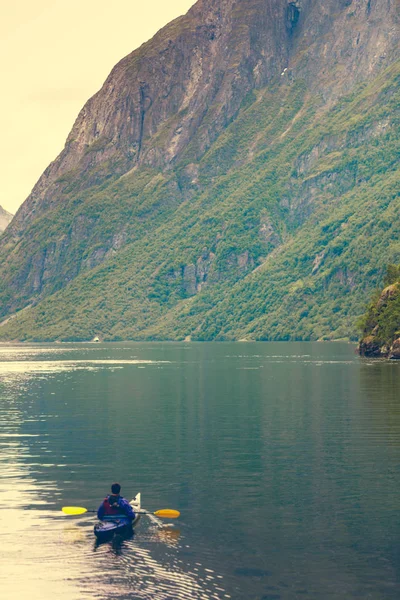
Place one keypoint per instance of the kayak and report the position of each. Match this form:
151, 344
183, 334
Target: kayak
106, 529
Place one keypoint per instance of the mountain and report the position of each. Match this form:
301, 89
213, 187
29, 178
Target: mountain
236, 177
5, 218
381, 323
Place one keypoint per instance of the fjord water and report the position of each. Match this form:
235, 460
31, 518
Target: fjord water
282, 458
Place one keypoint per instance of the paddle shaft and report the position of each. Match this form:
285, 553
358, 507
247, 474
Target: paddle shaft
166, 513
137, 512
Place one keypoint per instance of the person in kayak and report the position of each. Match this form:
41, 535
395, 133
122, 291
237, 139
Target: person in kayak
115, 506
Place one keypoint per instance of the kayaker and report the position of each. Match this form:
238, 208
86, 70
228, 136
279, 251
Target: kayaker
115, 505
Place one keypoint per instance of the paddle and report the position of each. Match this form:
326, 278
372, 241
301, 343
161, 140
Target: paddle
166, 513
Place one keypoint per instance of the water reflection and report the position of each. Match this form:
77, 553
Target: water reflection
48, 556
283, 459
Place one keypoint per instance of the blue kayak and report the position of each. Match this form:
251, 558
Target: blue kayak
106, 529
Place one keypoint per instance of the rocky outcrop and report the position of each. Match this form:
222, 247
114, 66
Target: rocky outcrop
5, 219
382, 325
389, 293
371, 347
394, 352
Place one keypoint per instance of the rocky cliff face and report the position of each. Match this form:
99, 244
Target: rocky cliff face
5, 219
190, 78
175, 94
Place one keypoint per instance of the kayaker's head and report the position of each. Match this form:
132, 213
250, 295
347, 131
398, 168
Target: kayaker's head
115, 489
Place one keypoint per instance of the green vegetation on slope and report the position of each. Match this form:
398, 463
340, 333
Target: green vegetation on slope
281, 231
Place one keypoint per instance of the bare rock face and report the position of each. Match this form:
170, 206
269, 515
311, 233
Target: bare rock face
193, 75
395, 350
338, 43
5, 219
370, 347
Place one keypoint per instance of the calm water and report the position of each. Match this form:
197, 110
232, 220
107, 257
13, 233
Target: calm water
282, 458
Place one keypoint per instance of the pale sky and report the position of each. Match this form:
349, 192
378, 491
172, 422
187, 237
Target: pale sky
54, 55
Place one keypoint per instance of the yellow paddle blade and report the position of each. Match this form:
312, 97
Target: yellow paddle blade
74, 510
168, 513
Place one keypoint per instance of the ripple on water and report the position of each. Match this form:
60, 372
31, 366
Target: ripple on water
149, 566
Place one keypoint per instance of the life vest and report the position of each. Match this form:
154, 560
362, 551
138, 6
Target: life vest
111, 511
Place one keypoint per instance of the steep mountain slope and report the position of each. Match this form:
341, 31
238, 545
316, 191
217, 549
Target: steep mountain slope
220, 185
5, 218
